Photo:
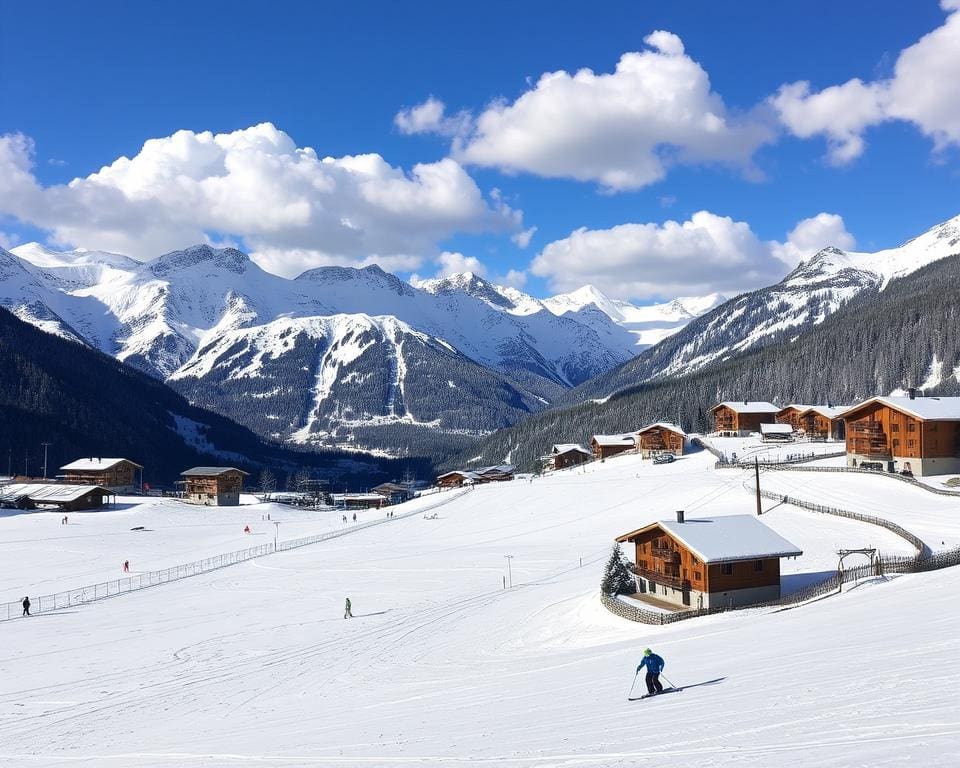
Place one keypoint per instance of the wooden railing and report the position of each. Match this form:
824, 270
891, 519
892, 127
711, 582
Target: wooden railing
669, 580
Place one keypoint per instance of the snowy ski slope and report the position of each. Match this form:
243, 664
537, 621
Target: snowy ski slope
254, 664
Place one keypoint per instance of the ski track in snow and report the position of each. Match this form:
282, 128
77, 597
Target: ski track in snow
254, 664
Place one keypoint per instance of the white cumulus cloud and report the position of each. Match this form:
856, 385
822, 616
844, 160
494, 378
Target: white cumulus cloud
924, 90
702, 255
291, 207
431, 116
622, 129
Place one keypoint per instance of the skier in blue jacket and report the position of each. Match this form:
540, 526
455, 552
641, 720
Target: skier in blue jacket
654, 665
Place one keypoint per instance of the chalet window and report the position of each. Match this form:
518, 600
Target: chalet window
758, 565
694, 559
896, 442
911, 427
894, 427
726, 569
909, 443
698, 575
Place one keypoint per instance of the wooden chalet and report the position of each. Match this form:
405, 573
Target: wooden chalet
791, 414
394, 493
738, 418
723, 561
823, 422
359, 500
605, 446
68, 498
662, 437
564, 455
115, 474
460, 477
214, 486
912, 435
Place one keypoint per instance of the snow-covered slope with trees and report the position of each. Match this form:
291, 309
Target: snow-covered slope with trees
803, 299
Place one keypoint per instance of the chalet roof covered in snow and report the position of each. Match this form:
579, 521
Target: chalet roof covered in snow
724, 539
49, 492
748, 406
499, 469
210, 471
93, 465
614, 439
827, 411
776, 429
567, 447
663, 425
924, 408
797, 407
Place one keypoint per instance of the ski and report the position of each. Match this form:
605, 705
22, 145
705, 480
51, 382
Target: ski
652, 695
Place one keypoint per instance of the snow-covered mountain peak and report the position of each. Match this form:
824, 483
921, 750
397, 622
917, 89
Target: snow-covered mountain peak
229, 259
470, 284
46, 258
369, 275
584, 297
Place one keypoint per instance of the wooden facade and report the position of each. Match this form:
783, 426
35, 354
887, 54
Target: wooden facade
605, 446
108, 473
566, 455
735, 419
823, 424
661, 438
882, 434
214, 486
792, 415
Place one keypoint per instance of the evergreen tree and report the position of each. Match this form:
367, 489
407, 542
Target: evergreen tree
617, 577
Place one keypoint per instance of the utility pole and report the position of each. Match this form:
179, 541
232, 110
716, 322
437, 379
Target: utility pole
276, 534
45, 447
509, 570
756, 470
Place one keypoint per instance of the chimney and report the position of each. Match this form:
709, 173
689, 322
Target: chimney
912, 392
679, 515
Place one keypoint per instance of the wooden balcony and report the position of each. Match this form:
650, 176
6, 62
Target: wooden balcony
668, 579
665, 553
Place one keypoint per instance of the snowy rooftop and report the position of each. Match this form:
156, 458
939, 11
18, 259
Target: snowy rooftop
776, 429
95, 464
664, 425
207, 471
748, 406
614, 439
797, 407
927, 408
828, 411
356, 497
49, 492
726, 538
567, 447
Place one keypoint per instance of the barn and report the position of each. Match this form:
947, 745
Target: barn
723, 561
823, 422
68, 498
791, 414
214, 486
121, 475
662, 437
564, 455
738, 418
605, 446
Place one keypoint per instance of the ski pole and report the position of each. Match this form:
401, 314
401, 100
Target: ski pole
668, 681
630, 692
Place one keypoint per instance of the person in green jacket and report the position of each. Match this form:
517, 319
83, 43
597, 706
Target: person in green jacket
346, 610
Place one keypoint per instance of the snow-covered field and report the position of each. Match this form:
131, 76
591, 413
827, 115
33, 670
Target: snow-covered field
254, 664
746, 449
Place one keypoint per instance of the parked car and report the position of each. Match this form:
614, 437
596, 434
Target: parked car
663, 458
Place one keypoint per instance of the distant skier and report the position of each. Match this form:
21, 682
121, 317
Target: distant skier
346, 609
26, 606
654, 665
354, 517
246, 529
126, 566
344, 518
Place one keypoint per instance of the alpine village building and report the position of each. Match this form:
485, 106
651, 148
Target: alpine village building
823, 422
724, 561
911, 435
740, 418
564, 455
214, 486
115, 474
661, 437
605, 446
791, 414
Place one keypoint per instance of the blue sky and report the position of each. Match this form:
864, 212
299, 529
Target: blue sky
84, 84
